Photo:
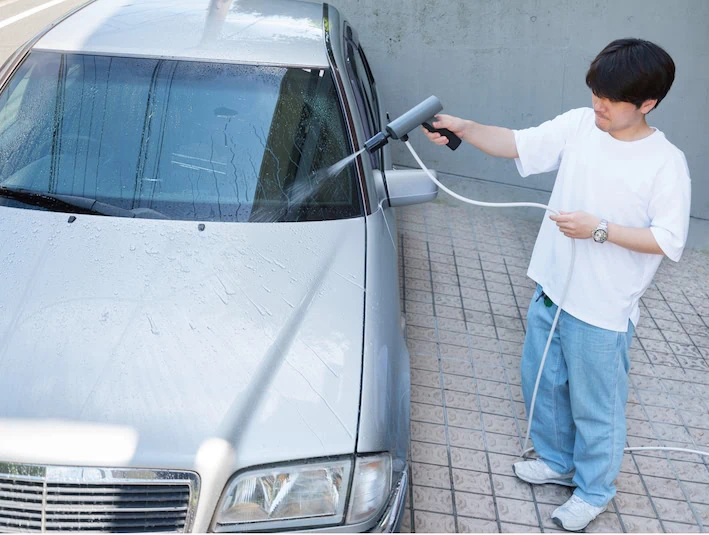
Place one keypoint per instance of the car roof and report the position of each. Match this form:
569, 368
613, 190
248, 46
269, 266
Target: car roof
273, 32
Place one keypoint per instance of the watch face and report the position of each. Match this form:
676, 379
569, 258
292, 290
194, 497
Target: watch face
599, 235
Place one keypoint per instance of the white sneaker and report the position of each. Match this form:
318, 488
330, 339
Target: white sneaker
538, 472
575, 514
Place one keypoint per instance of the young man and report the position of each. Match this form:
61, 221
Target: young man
625, 194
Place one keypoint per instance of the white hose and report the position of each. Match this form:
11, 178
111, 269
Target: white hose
453, 194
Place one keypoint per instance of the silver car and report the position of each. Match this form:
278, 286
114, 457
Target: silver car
200, 326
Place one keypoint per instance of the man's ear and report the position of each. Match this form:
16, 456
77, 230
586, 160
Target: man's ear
647, 106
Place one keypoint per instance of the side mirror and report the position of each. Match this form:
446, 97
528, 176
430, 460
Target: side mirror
406, 186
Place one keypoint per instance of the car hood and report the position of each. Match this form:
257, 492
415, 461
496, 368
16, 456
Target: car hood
135, 342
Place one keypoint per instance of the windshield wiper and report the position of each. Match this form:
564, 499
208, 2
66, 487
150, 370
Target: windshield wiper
73, 203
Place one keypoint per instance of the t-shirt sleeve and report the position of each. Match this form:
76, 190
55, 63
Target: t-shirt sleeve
540, 148
670, 205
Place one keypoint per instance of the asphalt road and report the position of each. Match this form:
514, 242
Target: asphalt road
20, 20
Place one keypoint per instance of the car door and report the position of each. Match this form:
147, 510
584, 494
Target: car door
384, 422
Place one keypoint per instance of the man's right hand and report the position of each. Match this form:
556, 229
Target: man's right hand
492, 140
454, 124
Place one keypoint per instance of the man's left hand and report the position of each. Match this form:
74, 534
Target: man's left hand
579, 225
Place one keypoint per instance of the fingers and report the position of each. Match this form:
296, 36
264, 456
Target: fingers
569, 232
435, 137
441, 121
454, 124
564, 225
569, 224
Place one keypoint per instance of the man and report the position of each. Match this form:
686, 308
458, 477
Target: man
625, 194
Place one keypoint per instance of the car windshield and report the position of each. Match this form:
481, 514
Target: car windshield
183, 139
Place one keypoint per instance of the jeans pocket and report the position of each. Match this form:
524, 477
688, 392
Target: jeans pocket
537, 292
534, 301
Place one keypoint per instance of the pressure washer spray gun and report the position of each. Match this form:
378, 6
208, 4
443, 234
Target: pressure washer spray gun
399, 128
423, 115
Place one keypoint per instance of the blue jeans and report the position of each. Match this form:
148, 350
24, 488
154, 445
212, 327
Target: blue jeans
579, 418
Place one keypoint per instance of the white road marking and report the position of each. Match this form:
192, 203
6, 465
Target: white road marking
29, 12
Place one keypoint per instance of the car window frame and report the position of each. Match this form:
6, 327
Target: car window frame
382, 116
362, 89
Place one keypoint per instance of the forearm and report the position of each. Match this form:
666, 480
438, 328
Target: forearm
640, 240
492, 140
581, 225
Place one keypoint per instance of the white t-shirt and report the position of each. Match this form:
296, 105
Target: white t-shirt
642, 183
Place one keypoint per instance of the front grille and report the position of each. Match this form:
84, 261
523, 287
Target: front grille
51, 498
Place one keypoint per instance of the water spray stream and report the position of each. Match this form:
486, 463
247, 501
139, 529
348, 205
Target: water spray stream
302, 189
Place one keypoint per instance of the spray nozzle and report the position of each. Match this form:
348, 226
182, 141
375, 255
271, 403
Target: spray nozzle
376, 142
401, 126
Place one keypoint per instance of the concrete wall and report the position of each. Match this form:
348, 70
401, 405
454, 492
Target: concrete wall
517, 63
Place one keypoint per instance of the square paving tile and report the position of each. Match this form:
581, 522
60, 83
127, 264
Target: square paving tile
431, 475
471, 481
433, 500
425, 452
517, 510
475, 505
511, 487
426, 522
476, 525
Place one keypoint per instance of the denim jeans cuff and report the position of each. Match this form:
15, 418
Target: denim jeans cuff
595, 500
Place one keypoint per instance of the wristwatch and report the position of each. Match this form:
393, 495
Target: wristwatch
601, 233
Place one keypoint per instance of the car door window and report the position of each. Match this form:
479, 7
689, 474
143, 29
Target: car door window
371, 86
376, 108
364, 95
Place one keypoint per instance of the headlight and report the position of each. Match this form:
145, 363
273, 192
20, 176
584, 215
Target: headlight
305, 495
370, 490
286, 496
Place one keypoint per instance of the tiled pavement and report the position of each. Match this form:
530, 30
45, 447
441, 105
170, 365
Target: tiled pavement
465, 296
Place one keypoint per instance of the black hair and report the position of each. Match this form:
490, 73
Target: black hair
631, 70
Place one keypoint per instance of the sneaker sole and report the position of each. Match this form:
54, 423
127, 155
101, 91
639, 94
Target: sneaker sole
565, 482
558, 523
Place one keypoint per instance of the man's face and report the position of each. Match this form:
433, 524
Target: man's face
614, 116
